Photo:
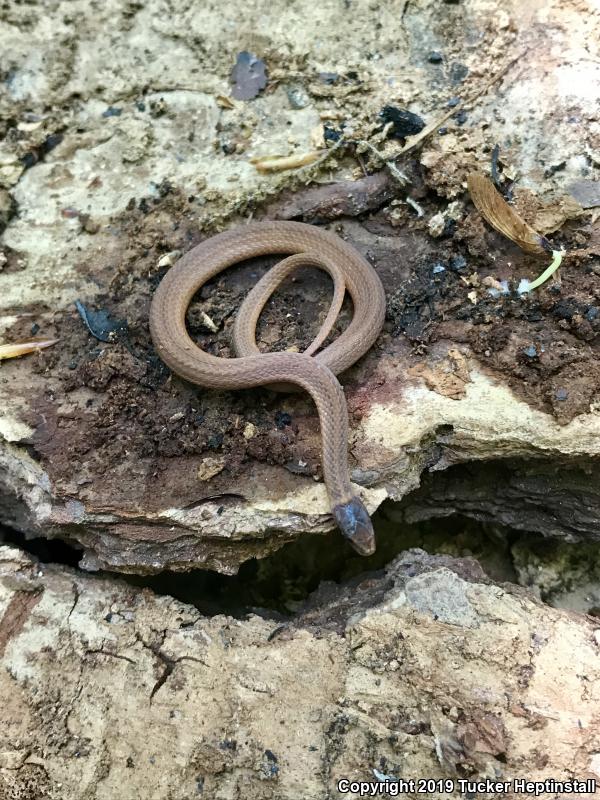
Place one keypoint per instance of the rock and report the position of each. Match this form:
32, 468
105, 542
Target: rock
297, 97
101, 445
428, 658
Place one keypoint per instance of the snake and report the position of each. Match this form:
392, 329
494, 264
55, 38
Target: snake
313, 370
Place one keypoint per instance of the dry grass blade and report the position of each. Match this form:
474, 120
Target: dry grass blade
280, 163
24, 348
495, 210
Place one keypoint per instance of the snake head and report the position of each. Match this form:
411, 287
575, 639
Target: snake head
355, 524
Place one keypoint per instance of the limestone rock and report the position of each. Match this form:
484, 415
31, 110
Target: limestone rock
429, 670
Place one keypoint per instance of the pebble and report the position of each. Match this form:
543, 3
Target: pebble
297, 97
436, 225
169, 258
208, 323
329, 77
210, 467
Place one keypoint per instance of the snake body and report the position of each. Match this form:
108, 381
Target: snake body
312, 371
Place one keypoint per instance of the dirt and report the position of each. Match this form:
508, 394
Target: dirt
105, 403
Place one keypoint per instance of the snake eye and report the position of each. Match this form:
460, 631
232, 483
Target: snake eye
355, 524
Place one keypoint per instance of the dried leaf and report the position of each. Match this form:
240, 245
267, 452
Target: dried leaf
495, 210
18, 349
248, 77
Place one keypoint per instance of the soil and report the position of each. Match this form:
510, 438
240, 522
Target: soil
103, 404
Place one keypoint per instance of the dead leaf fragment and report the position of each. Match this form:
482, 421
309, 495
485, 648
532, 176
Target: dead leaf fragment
248, 77
224, 102
496, 211
18, 349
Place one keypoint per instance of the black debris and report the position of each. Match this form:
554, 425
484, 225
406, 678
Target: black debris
282, 419
270, 767
553, 168
99, 323
215, 441
458, 263
29, 159
37, 154
435, 57
450, 227
112, 111
494, 166
330, 134
51, 141
404, 123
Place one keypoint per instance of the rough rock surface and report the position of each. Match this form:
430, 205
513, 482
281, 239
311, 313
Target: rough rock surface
120, 147
426, 670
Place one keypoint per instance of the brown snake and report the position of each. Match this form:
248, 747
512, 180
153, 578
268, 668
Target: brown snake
305, 245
